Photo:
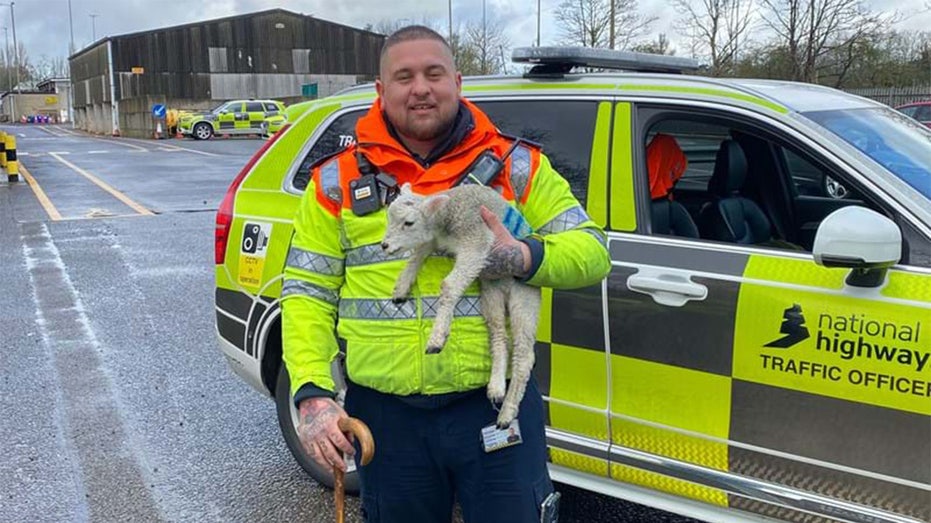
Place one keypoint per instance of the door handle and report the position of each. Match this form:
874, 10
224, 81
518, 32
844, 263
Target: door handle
674, 290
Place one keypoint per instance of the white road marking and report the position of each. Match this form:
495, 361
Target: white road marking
104, 151
62, 153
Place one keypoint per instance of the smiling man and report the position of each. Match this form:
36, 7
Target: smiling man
434, 428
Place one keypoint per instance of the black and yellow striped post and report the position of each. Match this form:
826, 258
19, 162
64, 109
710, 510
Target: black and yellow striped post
3, 149
12, 166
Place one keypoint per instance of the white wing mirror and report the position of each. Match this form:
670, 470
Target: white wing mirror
859, 239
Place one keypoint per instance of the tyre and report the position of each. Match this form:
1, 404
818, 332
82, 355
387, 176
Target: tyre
202, 131
287, 422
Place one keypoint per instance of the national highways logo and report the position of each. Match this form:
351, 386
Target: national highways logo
793, 328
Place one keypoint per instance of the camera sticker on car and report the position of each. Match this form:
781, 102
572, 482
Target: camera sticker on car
252, 250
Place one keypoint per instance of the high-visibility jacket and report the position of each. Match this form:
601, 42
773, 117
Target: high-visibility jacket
338, 281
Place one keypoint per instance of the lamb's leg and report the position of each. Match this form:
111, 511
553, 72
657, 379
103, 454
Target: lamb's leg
469, 263
524, 308
494, 294
402, 287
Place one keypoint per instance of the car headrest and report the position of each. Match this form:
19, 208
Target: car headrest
665, 164
730, 169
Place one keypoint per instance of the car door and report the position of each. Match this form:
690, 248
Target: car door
741, 375
227, 117
570, 365
254, 116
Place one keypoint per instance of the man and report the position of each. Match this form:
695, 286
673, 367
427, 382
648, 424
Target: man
427, 412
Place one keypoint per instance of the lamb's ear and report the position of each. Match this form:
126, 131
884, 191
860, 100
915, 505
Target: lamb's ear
434, 203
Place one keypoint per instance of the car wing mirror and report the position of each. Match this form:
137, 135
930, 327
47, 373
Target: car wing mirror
859, 239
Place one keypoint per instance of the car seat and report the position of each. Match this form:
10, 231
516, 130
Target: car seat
665, 164
729, 216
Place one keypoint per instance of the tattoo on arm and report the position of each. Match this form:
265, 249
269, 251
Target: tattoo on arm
504, 262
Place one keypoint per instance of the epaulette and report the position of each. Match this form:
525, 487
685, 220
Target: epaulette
513, 138
323, 159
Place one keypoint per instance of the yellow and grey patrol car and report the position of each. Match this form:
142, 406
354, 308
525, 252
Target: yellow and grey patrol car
234, 117
762, 347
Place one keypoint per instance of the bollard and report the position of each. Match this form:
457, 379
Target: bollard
2, 150
12, 166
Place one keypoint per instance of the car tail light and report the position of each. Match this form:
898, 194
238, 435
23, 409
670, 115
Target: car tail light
225, 212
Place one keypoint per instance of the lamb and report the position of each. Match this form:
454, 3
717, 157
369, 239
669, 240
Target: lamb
451, 221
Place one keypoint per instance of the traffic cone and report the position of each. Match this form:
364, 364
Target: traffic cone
158, 131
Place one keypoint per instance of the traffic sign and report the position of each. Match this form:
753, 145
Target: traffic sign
158, 110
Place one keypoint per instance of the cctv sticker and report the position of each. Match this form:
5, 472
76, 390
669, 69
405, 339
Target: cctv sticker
252, 250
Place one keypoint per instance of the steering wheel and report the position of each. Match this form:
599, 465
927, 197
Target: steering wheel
834, 189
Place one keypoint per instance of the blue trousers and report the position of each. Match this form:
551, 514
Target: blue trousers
427, 458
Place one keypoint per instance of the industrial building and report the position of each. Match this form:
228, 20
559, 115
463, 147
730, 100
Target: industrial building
275, 54
49, 99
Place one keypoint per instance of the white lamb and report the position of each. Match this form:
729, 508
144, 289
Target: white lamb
451, 221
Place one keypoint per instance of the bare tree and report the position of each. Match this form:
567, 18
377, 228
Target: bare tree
49, 67
487, 43
821, 34
659, 46
479, 48
589, 23
717, 28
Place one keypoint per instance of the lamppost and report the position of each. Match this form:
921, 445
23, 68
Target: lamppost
71, 27
9, 78
15, 50
93, 26
538, 23
70, 83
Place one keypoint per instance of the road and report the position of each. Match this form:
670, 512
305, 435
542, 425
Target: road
117, 404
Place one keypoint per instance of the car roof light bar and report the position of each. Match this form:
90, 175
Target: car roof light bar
560, 60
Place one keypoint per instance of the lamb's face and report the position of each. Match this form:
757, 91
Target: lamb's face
408, 225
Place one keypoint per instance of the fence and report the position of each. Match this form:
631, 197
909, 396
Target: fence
894, 96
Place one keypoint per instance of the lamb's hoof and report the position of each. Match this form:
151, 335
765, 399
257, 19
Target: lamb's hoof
434, 350
496, 393
505, 417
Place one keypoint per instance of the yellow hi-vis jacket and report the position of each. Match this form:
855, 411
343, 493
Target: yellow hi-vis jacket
338, 281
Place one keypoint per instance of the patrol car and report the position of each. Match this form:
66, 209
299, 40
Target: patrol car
762, 347
234, 117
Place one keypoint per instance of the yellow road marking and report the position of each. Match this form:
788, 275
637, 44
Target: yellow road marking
99, 183
40, 194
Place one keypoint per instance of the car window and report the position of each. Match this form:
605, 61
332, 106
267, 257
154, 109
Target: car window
774, 197
565, 129
271, 107
909, 111
923, 113
232, 107
340, 133
254, 107
901, 145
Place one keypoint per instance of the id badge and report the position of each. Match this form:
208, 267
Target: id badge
494, 438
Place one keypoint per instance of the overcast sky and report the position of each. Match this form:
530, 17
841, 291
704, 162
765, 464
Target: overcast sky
43, 25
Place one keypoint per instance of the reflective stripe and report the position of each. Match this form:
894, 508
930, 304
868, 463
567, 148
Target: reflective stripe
329, 179
366, 309
309, 289
467, 306
598, 235
369, 254
314, 262
569, 219
520, 171
369, 309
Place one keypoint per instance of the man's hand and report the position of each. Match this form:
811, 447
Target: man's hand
508, 257
319, 434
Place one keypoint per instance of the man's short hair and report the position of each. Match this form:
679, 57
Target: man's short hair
409, 33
